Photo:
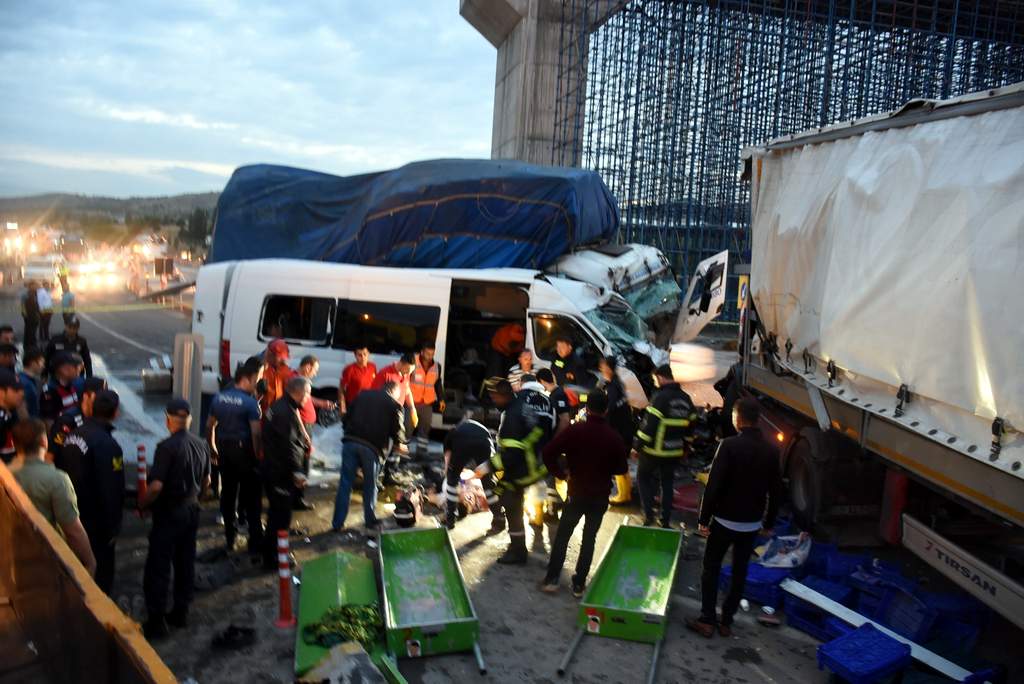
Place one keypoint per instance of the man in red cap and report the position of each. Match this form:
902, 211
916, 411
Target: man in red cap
276, 373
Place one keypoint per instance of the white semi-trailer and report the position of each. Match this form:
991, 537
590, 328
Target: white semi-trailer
884, 328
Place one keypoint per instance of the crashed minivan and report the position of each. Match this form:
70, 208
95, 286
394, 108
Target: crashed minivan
449, 251
329, 310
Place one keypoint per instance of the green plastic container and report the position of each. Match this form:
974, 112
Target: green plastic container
628, 597
334, 579
427, 610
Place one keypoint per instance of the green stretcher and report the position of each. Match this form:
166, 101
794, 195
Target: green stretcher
628, 597
427, 610
337, 579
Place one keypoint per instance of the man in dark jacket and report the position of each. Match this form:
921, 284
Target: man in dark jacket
468, 446
660, 443
94, 461
567, 366
372, 422
285, 443
72, 419
742, 497
61, 393
593, 453
180, 474
12, 395
70, 341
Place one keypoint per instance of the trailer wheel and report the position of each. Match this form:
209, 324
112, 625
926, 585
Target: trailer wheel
804, 473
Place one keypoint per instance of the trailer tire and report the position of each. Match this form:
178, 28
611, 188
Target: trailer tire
805, 471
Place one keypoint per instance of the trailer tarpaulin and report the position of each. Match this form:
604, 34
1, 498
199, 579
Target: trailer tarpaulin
897, 255
446, 213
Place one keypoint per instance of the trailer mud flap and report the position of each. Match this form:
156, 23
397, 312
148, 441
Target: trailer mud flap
995, 589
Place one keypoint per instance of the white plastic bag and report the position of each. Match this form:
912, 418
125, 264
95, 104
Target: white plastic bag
786, 552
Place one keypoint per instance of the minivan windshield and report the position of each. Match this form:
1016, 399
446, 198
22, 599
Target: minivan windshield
619, 324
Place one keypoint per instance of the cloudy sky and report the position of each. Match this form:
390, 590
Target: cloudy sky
145, 97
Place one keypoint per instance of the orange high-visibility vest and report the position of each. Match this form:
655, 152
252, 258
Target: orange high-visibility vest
421, 383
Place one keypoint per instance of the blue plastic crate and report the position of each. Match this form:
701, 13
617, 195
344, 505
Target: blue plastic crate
952, 639
864, 656
957, 606
839, 565
840, 593
877, 583
762, 584
870, 605
906, 615
808, 623
815, 563
836, 628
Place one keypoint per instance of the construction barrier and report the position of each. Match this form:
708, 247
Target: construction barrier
48, 599
285, 616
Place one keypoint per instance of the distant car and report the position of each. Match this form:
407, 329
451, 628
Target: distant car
42, 269
100, 274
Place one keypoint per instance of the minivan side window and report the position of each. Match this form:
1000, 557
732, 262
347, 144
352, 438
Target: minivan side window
383, 327
299, 319
548, 328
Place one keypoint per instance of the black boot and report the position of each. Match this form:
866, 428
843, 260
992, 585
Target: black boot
497, 524
516, 554
178, 618
156, 627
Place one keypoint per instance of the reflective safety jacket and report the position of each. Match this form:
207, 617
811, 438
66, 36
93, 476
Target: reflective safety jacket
526, 426
425, 383
668, 425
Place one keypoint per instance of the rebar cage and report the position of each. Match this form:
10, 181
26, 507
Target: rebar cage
660, 96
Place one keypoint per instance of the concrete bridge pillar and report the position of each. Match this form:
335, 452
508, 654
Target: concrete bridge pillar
526, 34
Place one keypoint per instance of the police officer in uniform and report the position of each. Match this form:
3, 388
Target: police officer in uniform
12, 393
180, 474
71, 420
234, 434
93, 459
70, 341
467, 447
667, 427
527, 423
61, 393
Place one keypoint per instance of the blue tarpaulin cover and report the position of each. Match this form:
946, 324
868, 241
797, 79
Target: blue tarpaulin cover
448, 213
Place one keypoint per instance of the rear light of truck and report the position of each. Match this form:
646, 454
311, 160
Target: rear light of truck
225, 359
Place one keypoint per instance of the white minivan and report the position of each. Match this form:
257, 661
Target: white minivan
329, 310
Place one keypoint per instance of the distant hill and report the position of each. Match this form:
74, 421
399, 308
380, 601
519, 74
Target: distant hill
168, 208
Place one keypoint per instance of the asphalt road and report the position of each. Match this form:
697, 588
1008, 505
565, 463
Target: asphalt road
125, 333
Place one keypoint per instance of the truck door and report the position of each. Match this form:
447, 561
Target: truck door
704, 299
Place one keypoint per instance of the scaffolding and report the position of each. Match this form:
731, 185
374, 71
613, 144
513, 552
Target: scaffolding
660, 96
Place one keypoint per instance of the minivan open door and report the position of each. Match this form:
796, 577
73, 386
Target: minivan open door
704, 299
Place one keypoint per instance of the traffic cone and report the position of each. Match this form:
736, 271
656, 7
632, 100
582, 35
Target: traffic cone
140, 474
285, 617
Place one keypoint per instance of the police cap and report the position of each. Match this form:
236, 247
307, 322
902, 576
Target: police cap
178, 407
